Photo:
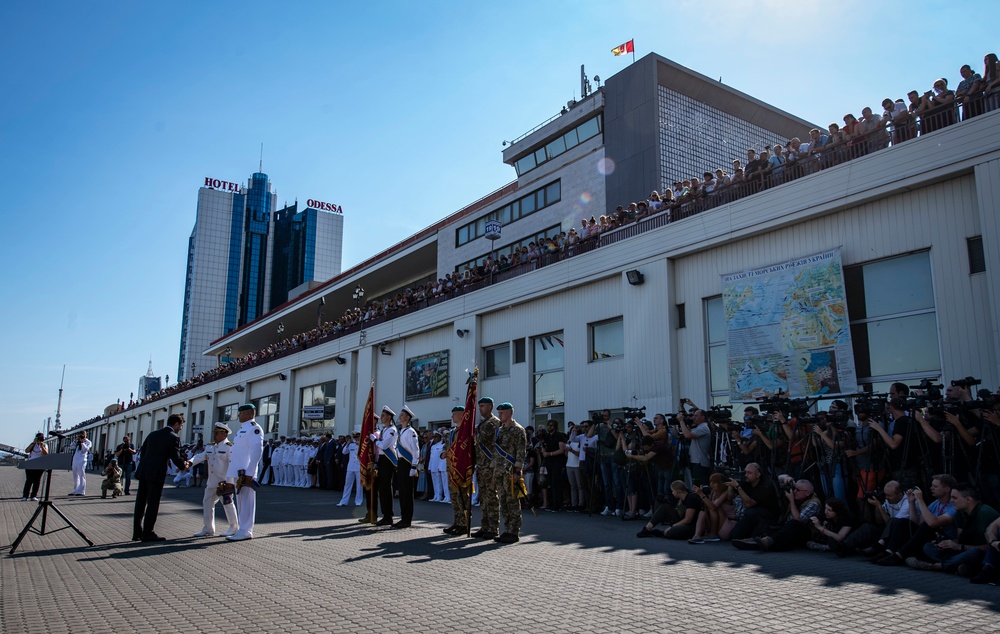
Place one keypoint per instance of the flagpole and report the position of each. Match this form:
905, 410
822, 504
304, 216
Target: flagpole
633, 50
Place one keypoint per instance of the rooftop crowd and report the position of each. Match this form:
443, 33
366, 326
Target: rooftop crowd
763, 168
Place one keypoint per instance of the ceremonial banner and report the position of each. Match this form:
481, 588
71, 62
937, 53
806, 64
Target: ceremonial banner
366, 448
461, 460
787, 329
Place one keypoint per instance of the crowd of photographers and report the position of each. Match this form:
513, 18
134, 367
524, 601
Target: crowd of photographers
906, 478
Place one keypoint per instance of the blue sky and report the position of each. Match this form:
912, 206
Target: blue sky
113, 113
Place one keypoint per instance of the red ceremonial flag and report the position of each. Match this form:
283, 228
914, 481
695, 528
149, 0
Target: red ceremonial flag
366, 449
461, 459
625, 48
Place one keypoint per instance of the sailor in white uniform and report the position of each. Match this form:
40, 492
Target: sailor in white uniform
216, 455
248, 445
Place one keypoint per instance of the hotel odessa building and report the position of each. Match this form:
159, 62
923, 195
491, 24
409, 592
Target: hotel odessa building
245, 257
638, 317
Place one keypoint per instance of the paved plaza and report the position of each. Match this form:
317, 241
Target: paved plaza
313, 568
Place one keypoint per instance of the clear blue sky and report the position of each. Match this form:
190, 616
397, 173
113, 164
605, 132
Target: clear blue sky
113, 113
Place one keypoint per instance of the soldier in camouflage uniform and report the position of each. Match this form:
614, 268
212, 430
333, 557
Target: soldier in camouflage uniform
489, 500
460, 500
508, 461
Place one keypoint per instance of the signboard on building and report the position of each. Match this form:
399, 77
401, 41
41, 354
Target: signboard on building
319, 204
427, 376
787, 329
313, 412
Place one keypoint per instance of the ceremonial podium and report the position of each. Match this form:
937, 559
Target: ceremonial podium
62, 461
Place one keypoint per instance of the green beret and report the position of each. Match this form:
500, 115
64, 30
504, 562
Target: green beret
247, 406
486, 399
458, 408
504, 405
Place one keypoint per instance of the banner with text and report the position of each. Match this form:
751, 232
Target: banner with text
787, 329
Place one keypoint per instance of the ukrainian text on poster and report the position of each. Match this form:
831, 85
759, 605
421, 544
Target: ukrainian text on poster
787, 329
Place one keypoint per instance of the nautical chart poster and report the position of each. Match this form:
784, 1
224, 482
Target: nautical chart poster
787, 329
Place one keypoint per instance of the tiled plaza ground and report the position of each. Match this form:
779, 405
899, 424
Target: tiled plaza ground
313, 568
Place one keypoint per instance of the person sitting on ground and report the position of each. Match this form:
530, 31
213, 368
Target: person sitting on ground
907, 537
869, 538
963, 554
794, 532
990, 572
719, 516
112, 480
679, 516
834, 527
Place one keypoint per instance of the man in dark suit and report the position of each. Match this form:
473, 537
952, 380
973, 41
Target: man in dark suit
161, 446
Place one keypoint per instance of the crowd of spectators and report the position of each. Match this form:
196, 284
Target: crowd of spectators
762, 168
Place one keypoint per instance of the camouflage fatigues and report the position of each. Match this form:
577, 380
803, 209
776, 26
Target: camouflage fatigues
510, 450
489, 500
112, 481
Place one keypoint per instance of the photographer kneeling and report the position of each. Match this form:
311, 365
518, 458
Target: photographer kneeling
680, 515
759, 500
802, 506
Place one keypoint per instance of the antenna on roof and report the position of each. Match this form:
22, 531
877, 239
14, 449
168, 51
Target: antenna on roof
260, 168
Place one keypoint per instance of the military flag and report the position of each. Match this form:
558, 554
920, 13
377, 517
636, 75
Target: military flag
461, 459
366, 448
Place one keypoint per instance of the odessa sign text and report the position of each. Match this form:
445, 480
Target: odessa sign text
319, 204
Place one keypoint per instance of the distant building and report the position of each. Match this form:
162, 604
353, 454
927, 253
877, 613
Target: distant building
243, 259
149, 383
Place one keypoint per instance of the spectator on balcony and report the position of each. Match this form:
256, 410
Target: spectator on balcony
969, 93
710, 183
654, 204
722, 179
775, 165
937, 107
642, 210
898, 115
756, 171
991, 81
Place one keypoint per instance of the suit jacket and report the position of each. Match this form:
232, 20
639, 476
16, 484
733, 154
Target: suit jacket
159, 447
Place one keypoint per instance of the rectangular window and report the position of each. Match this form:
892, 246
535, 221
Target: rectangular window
227, 413
555, 148
893, 319
977, 257
607, 339
523, 206
498, 361
718, 361
519, 353
319, 408
267, 412
548, 356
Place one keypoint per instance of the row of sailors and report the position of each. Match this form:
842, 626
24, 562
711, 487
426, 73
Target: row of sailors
290, 462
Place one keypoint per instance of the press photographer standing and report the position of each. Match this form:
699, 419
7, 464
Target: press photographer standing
33, 477
700, 436
125, 452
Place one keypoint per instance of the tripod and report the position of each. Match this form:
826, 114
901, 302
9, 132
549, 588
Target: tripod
47, 463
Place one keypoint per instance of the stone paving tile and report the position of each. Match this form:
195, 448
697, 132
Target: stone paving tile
313, 568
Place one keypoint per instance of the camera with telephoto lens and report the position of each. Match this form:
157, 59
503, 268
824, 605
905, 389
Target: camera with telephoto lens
633, 412
967, 382
719, 413
930, 394
618, 425
871, 404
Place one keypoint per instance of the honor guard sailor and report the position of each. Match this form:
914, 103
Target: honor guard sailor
385, 458
489, 500
407, 450
217, 486
248, 445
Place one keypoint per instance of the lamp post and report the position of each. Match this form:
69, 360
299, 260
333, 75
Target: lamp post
358, 295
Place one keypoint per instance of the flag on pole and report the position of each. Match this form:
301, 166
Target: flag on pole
627, 47
461, 460
366, 449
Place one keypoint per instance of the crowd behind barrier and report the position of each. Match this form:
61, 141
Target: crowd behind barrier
763, 168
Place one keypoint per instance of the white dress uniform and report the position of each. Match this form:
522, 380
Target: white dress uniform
353, 478
278, 463
248, 445
217, 457
439, 473
80, 453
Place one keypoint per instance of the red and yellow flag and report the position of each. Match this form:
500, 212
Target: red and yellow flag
461, 457
366, 449
627, 47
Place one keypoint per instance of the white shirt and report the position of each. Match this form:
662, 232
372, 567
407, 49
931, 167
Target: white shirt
438, 462
386, 441
248, 445
351, 450
217, 457
408, 440
82, 449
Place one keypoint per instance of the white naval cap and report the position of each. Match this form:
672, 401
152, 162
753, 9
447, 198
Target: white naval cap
386, 410
409, 411
222, 426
